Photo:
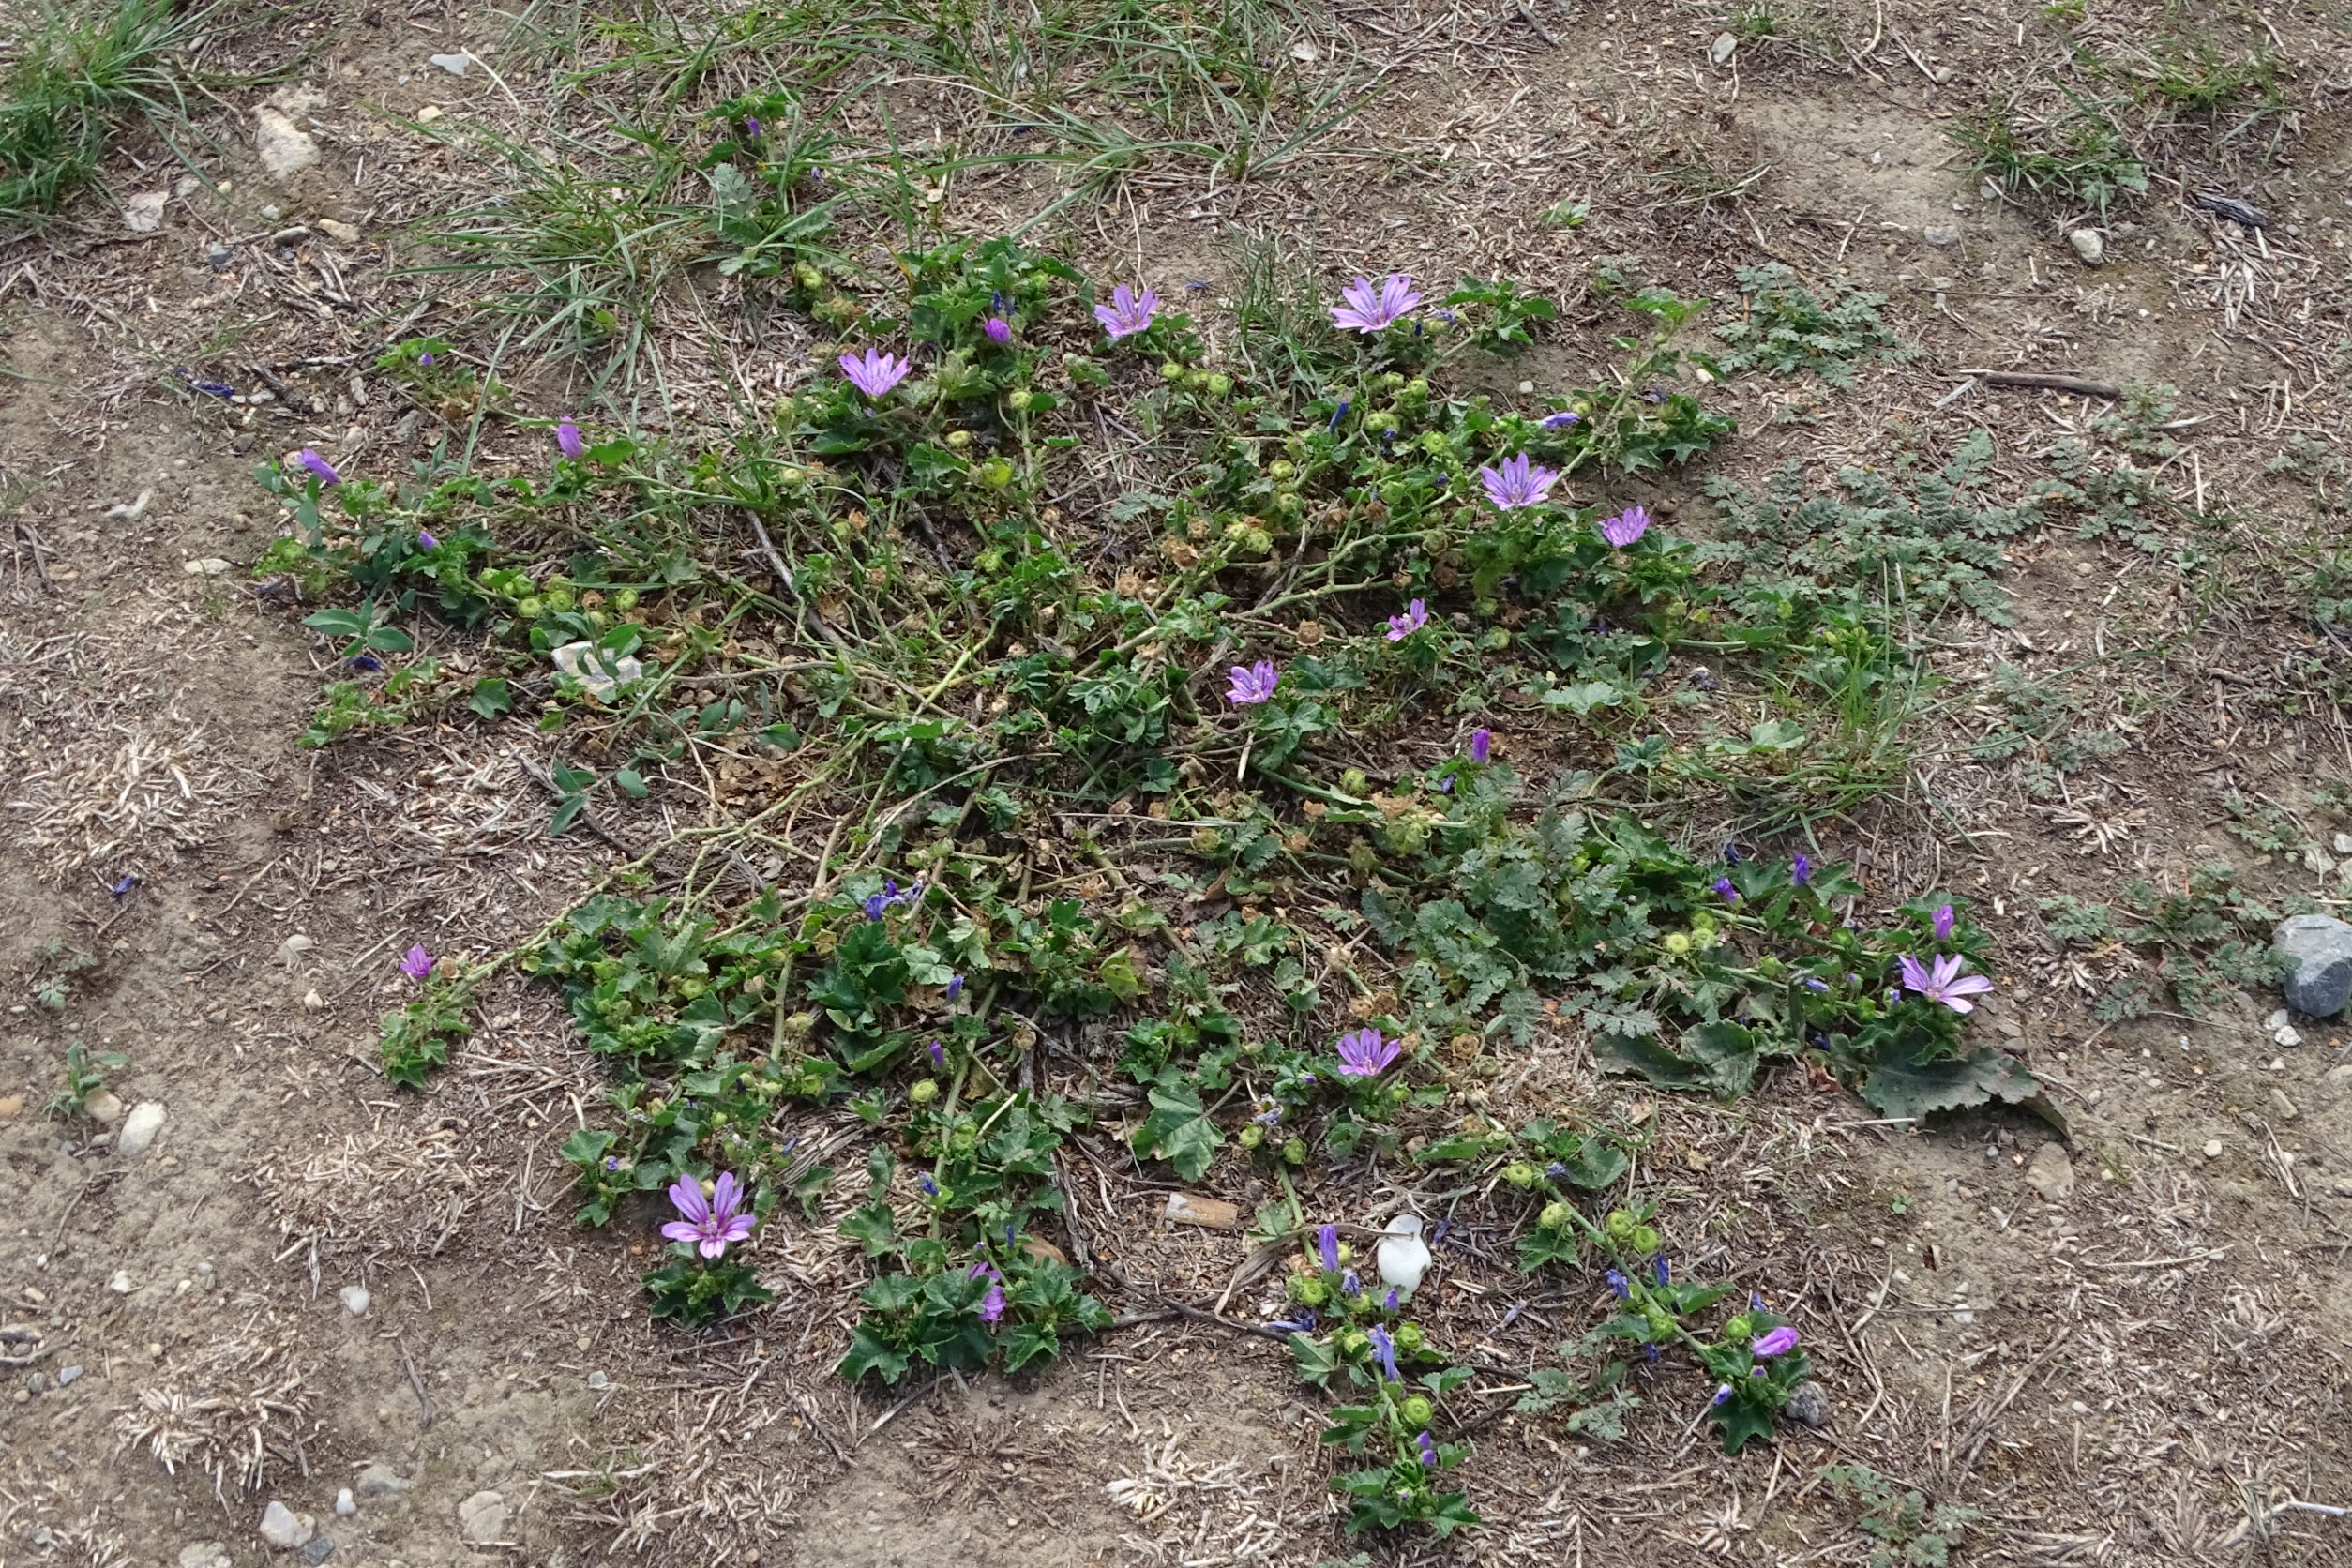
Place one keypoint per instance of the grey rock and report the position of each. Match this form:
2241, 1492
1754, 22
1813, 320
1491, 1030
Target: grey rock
1809, 1405
283, 1527
454, 64
382, 1481
318, 1551
2321, 948
68, 1375
2050, 1173
285, 148
482, 1518
1943, 236
2088, 244
204, 1554
139, 1129
1724, 47
219, 256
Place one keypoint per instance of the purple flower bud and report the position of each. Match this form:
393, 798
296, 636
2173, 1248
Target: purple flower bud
1779, 1342
425, 539
1721, 1394
1428, 1451
567, 439
1723, 885
930, 1188
937, 1053
998, 328
1943, 922
1350, 1285
955, 986
1327, 1247
320, 466
1801, 871
1388, 1303
1482, 745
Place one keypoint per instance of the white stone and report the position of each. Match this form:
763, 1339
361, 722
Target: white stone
355, 1300
139, 1129
121, 1284
454, 64
283, 1527
340, 232
1723, 49
2088, 244
209, 565
2213, 1149
143, 213
482, 1518
285, 148
346, 1504
205, 1554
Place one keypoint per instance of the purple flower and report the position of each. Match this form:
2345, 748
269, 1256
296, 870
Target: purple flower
710, 1223
1943, 922
123, 884
876, 373
1385, 1349
751, 126
1350, 1285
1252, 683
955, 986
567, 439
1625, 527
1658, 1268
1369, 308
1517, 483
417, 963
1128, 312
1944, 983
1801, 871
930, 1187
1778, 1342
992, 1304
1560, 421
1415, 617
877, 902
1814, 983
937, 1053
425, 539
320, 466
1482, 745
1428, 1451
425, 359
1327, 1247
1341, 413
1723, 885
1722, 1394
1618, 1286
998, 328
1366, 1053
1388, 1303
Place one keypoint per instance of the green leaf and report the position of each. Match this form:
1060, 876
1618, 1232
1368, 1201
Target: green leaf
872, 1225
631, 783
867, 1354
567, 811
491, 698
1898, 1088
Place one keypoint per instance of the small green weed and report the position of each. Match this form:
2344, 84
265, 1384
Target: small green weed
1908, 1532
55, 962
1787, 328
85, 1075
2207, 936
72, 79
2082, 154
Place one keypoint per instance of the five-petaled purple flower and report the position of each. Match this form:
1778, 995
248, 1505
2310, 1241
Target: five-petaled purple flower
1625, 527
1370, 307
1482, 744
1327, 1247
1944, 983
710, 1223
876, 373
1416, 617
1385, 1349
992, 1304
1943, 922
998, 328
417, 963
320, 466
1517, 483
567, 439
425, 539
1723, 885
1428, 1451
1128, 312
1366, 1053
1779, 1342
1800, 870
1560, 421
1252, 683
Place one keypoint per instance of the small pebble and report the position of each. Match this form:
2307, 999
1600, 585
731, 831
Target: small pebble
68, 1376
2213, 1149
120, 1284
346, 1504
355, 1300
454, 64
2088, 244
283, 1527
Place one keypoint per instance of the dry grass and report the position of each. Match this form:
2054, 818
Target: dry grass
238, 1410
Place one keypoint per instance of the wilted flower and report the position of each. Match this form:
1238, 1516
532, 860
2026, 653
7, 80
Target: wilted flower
1252, 683
1428, 1451
567, 440
1944, 983
1341, 413
876, 373
1618, 1285
955, 986
1369, 308
124, 884
1482, 745
425, 539
937, 1053
1350, 1285
1366, 1053
998, 328
1731, 855
1327, 1247
1560, 421
1302, 1323
1943, 922
1517, 483
1385, 1347
417, 963
710, 1223
1625, 527
1658, 1267
930, 1187
1416, 617
1778, 1342
1723, 885
320, 466
992, 1304
1801, 871
1128, 312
